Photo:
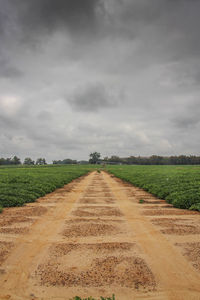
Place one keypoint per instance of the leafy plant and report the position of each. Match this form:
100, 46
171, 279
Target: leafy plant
1, 209
195, 207
141, 201
20, 185
178, 186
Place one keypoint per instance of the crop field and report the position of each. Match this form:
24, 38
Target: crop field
178, 185
98, 237
19, 185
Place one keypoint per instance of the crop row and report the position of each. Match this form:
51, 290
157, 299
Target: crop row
19, 185
178, 185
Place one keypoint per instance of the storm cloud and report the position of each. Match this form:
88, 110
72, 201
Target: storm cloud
116, 76
93, 98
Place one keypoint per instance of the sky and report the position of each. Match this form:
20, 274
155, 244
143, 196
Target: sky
120, 77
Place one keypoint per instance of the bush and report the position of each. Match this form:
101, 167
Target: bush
195, 207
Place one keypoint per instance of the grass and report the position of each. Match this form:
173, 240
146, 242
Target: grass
178, 185
20, 185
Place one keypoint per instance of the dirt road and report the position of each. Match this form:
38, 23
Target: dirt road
94, 237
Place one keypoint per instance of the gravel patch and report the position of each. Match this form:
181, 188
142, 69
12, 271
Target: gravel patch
90, 229
159, 212
5, 248
192, 252
131, 272
88, 211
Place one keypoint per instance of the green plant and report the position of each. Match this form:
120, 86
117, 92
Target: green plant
195, 207
1, 209
179, 186
141, 201
20, 185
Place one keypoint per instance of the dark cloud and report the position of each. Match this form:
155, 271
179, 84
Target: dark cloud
46, 16
187, 122
9, 71
172, 26
92, 51
93, 98
188, 118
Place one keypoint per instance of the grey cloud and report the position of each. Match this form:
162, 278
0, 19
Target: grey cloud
91, 51
187, 122
172, 26
189, 119
9, 71
93, 98
45, 16
44, 116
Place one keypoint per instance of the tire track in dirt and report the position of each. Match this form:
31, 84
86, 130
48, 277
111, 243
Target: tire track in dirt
92, 237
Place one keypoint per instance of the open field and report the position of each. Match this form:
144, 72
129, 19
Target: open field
19, 185
92, 237
178, 185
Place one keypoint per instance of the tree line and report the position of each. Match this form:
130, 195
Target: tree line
95, 158
154, 160
17, 161
66, 161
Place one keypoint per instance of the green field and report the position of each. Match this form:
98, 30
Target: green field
19, 185
178, 185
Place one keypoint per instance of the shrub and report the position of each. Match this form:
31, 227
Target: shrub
195, 207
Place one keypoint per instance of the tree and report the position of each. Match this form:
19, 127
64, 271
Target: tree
67, 161
16, 160
28, 161
94, 157
41, 161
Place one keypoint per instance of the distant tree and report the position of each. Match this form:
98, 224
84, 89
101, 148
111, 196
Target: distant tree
156, 160
15, 160
115, 158
41, 161
66, 161
28, 161
83, 162
94, 157
2, 161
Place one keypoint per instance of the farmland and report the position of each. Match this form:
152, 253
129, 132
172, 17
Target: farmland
178, 185
20, 185
93, 237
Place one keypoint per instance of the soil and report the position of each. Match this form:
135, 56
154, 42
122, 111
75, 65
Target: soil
174, 227
93, 237
192, 252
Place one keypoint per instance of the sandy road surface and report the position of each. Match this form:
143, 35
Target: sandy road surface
93, 237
